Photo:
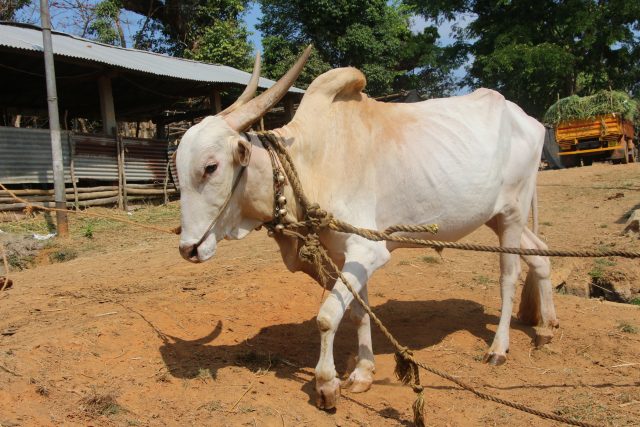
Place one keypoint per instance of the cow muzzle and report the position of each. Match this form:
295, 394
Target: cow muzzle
189, 252
194, 252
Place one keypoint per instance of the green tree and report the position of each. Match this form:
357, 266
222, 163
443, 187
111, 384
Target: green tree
8, 8
205, 30
106, 26
535, 51
372, 35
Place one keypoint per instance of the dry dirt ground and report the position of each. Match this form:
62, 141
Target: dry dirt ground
128, 333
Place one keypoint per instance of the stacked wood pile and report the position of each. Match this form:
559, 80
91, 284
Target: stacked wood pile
88, 196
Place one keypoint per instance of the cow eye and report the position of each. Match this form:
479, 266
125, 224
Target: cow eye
210, 169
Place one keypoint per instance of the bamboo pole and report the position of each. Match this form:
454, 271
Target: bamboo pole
118, 156
82, 203
72, 155
49, 198
124, 173
150, 192
38, 192
166, 181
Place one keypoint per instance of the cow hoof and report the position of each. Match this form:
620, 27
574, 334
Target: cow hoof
495, 359
359, 381
542, 338
328, 394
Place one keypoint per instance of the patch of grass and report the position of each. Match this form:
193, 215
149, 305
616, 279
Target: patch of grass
213, 406
88, 231
546, 223
635, 301
604, 262
42, 390
38, 224
481, 279
430, 259
98, 404
19, 262
627, 328
604, 225
63, 255
596, 273
404, 262
582, 411
599, 266
204, 374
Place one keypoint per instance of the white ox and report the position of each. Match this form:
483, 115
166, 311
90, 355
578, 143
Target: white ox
459, 162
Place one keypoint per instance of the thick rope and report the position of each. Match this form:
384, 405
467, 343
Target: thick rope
316, 254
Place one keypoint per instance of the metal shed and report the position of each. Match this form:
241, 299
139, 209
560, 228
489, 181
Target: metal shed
109, 84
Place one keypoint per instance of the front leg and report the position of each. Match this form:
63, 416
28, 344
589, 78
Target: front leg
362, 258
361, 378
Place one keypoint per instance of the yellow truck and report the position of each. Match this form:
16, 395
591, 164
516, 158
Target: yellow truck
605, 138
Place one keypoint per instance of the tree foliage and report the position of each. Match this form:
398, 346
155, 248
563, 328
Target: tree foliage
8, 8
535, 51
106, 26
372, 35
205, 30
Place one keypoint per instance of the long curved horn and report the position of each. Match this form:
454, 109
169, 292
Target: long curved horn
242, 118
249, 91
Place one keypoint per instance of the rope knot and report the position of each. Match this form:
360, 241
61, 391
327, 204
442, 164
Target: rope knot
313, 253
406, 370
319, 218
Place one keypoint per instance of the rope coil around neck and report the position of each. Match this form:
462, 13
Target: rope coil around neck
313, 252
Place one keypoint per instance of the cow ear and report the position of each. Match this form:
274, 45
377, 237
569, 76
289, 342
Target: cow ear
242, 152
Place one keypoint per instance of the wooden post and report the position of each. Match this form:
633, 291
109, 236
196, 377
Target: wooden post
166, 182
160, 131
72, 155
215, 101
107, 108
119, 158
54, 122
124, 174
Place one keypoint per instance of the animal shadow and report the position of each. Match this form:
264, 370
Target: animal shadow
287, 348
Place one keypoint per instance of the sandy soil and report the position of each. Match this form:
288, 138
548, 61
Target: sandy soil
130, 334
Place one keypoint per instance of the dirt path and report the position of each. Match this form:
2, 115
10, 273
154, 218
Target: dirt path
133, 335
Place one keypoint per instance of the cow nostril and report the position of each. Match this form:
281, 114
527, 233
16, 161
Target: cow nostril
189, 252
194, 252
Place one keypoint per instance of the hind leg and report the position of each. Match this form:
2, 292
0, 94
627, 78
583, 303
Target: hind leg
509, 228
536, 305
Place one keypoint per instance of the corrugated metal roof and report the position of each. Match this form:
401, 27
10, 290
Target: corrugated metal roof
29, 37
